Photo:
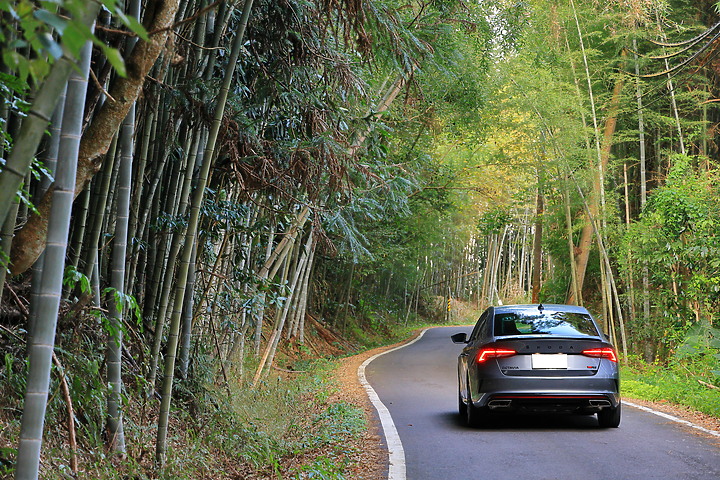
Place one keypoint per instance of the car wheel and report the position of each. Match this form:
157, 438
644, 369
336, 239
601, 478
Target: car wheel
476, 416
462, 406
609, 417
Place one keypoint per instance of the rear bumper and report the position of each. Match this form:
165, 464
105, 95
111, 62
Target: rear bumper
560, 403
572, 395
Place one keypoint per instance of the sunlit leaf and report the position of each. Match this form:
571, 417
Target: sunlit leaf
39, 69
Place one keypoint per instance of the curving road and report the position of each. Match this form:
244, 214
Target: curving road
418, 386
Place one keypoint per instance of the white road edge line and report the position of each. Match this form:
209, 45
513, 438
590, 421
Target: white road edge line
396, 453
673, 418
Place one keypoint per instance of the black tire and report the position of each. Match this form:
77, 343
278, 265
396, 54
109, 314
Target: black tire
609, 417
462, 406
476, 416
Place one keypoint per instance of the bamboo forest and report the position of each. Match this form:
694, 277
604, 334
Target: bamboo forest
205, 204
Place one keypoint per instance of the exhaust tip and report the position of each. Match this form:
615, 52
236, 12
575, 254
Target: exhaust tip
492, 404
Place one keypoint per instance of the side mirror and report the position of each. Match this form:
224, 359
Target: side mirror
459, 338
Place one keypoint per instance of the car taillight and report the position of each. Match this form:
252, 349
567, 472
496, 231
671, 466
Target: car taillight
606, 352
488, 353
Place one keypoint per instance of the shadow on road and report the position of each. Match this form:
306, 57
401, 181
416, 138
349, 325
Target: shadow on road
507, 422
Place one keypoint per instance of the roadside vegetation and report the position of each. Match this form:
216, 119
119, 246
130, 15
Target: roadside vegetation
261, 186
290, 425
678, 382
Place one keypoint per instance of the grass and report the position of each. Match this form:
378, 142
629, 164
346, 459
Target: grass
294, 429
289, 427
677, 382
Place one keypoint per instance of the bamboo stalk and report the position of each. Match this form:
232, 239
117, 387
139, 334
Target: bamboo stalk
271, 348
181, 280
43, 340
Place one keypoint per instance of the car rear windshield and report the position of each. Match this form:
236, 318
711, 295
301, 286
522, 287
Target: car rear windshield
566, 324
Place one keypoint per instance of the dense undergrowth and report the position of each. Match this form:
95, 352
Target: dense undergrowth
290, 425
286, 427
680, 382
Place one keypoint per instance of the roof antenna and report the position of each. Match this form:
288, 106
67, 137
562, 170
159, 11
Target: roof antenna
540, 307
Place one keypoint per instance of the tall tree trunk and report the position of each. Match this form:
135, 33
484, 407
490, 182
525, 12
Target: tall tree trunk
271, 348
117, 282
574, 292
259, 305
116, 430
40, 349
33, 127
537, 242
170, 265
596, 194
647, 350
8, 231
187, 318
304, 299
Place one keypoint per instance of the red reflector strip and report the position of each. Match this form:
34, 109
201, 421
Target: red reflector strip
488, 353
605, 352
549, 397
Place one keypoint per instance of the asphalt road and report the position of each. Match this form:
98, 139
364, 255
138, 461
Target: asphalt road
418, 385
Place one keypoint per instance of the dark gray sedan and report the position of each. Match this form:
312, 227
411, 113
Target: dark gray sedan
538, 358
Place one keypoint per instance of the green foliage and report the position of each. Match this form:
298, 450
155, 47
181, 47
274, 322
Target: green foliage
124, 302
73, 278
290, 416
12, 92
678, 382
322, 468
42, 30
13, 373
494, 221
6, 468
676, 237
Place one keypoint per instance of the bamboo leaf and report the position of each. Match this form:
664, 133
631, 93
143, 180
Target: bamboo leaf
133, 24
51, 46
51, 19
116, 60
75, 37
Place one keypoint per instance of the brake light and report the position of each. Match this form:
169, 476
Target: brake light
488, 353
605, 352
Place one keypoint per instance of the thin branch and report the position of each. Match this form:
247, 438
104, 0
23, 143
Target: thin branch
709, 385
100, 87
20, 305
70, 412
288, 371
187, 40
187, 20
